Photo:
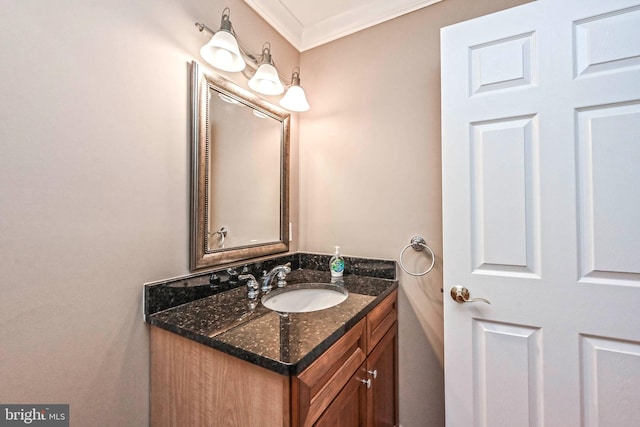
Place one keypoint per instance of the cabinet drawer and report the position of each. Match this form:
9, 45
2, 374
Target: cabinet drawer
317, 386
380, 319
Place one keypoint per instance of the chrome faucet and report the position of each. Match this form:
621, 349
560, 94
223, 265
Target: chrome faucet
280, 272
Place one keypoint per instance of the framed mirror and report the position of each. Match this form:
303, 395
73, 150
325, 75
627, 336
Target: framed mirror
240, 173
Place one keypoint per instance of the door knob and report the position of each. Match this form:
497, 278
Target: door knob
461, 294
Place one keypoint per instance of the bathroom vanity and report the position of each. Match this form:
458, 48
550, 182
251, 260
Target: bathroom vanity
222, 359
219, 357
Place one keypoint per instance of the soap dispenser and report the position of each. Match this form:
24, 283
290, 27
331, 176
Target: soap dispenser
336, 264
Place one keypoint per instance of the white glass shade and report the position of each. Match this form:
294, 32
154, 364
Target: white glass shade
223, 53
295, 99
266, 80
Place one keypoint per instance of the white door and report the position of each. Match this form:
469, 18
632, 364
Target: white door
541, 207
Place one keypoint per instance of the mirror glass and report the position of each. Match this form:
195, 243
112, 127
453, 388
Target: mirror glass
240, 173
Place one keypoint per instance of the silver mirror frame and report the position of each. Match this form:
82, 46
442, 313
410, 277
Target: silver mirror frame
200, 256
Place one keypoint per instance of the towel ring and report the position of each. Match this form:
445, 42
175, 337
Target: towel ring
223, 233
418, 243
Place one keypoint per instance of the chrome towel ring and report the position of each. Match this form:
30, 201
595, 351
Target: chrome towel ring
418, 244
223, 233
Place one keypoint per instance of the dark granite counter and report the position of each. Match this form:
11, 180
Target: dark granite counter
286, 344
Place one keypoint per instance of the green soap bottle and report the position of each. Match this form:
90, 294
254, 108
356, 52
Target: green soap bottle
336, 264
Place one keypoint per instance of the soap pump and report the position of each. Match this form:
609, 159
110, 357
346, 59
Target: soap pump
336, 264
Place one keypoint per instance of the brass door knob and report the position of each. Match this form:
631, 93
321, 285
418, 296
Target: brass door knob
461, 295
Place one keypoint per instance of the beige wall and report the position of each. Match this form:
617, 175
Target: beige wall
94, 189
370, 172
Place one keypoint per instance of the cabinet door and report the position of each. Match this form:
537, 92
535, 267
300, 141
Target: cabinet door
348, 409
382, 404
318, 385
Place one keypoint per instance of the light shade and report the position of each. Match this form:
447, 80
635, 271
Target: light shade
295, 99
266, 80
223, 53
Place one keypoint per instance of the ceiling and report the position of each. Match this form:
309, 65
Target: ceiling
310, 23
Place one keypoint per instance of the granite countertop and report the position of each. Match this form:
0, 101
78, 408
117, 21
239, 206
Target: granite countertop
285, 344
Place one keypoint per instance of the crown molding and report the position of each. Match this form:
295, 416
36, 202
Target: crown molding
348, 22
357, 19
280, 18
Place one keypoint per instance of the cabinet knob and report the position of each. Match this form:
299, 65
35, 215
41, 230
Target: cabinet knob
373, 373
367, 382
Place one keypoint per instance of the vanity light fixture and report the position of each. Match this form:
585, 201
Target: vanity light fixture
266, 80
295, 99
222, 51
225, 52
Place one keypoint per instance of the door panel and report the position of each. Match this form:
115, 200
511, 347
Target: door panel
602, 42
608, 158
541, 194
507, 374
502, 64
503, 202
610, 372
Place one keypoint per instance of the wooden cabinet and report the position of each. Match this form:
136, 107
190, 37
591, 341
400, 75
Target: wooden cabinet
353, 383
315, 388
194, 385
382, 363
382, 403
370, 396
348, 409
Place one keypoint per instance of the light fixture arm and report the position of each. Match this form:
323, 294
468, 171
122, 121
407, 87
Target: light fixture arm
202, 27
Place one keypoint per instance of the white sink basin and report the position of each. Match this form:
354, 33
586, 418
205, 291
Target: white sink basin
304, 297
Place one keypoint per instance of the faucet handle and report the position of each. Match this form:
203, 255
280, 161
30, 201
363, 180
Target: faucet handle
282, 274
252, 285
283, 270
